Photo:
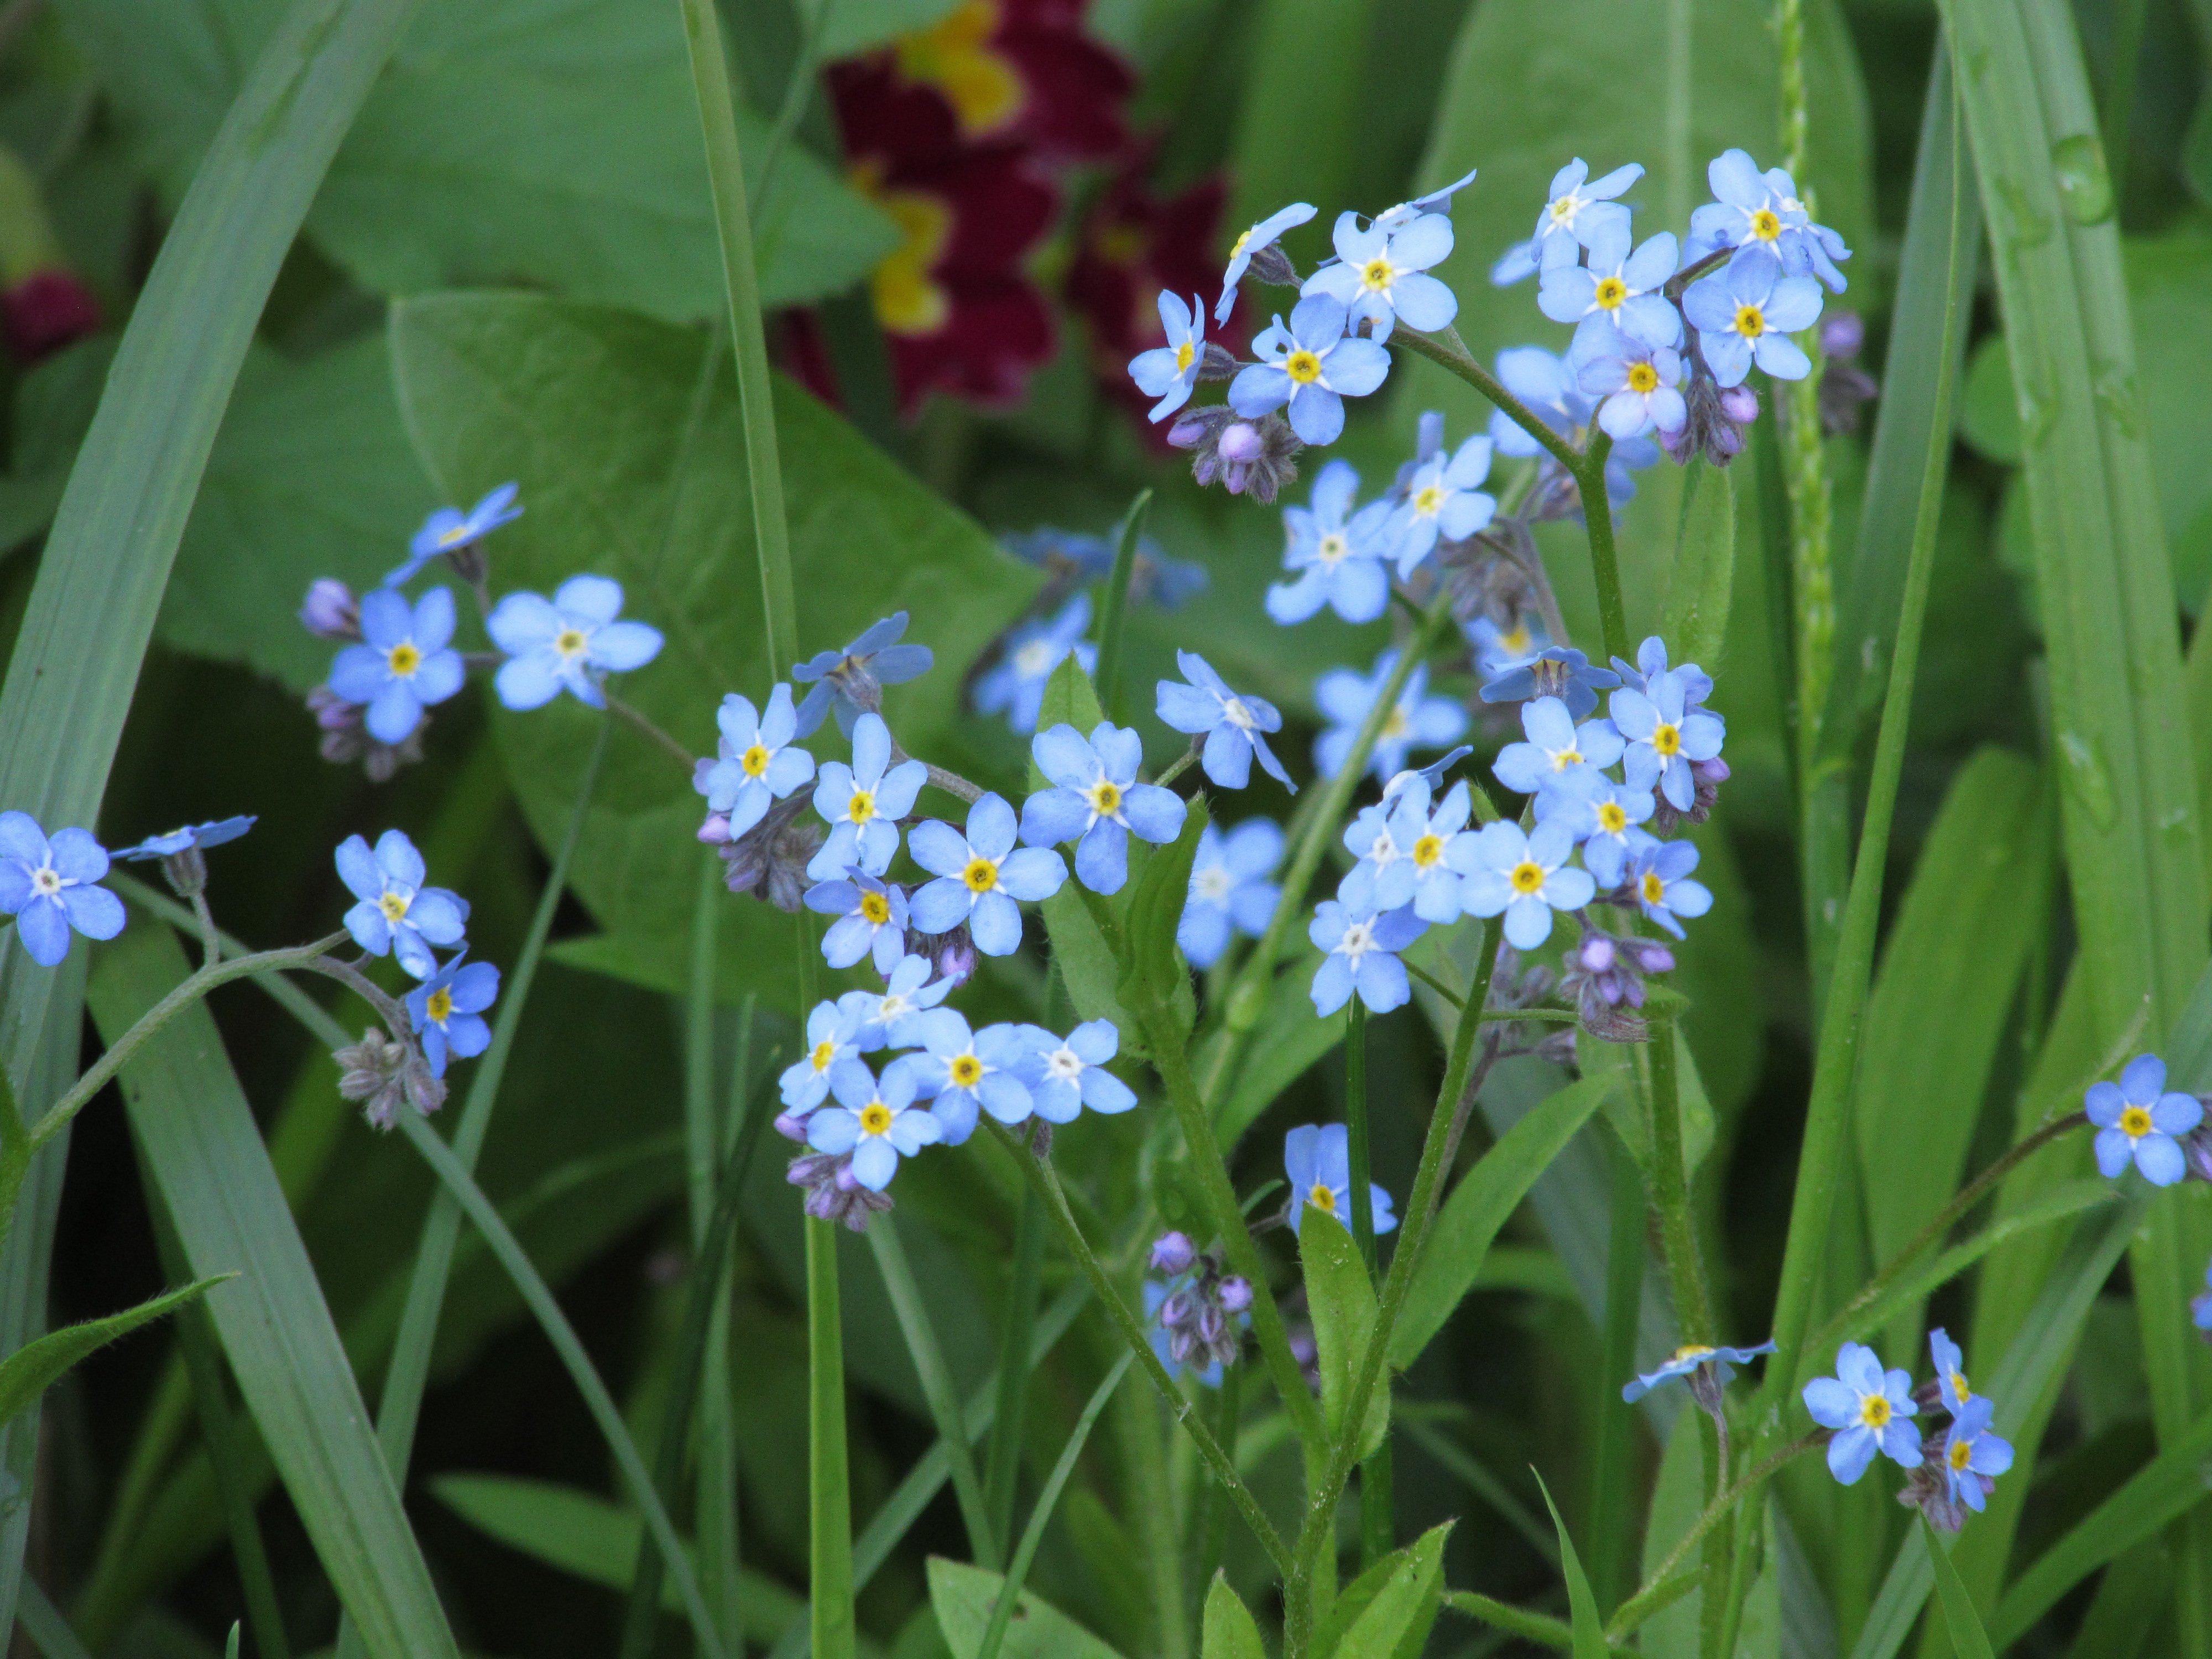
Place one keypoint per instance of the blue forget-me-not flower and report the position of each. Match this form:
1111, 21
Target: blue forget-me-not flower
1362, 956
1442, 501
1525, 876
48, 887
404, 663
1169, 372
1381, 275
832, 1044
1618, 286
448, 530
1972, 1456
1554, 748
1687, 1358
1067, 1074
1659, 877
1579, 211
1096, 801
875, 1120
853, 678
570, 643
1602, 815
1417, 721
2137, 1120
981, 874
1404, 852
1437, 201
871, 921
1235, 726
192, 838
1744, 314
1664, 735
1312, 366
1317, 1159
1230, 891
1015, 683
1153, 576
1763, 209
1249, 244
1557, 671
397, 914
1870, 1409
863, 803
1338, 553
1651, 661
1639, 385
888, 1018
757, 763
1950, 1370
447, 1010
961, 1070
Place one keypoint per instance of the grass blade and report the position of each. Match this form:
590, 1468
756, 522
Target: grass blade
1588, 1628
49, 1631
1002, 1466
1967, 1634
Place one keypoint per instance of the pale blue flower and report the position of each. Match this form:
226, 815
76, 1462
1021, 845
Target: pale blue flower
1870, 1409
1317, 1159
2137, 1120
1096, 801
1602, 815
1525, 876
1437, 201
48, 887
1311, 365
570, 643
1640, 385
1338, 553
1618, 287
871, 917
1762, 208
397, 914
1745, 312
1557, 671
1235, 726
1950, 1370
959, 1071
757, 762
863, 802
1973, 1456
853, 678
447, 1010
448, 530
1230, 889
1577, 214
1169, 372
1261, 235
1497, 650
1380, 274
1442, 501
1015, 683
1665, 735
1687, 1358
1418, 720
832, 1044
876, 1121
1651, 660
1362, 955
1405, 851
1555, 747
1659, 879
404, 663
980, 876
1154, 578
194, 836
1067, 1074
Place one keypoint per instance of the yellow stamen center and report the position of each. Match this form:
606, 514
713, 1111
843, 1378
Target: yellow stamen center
875, 1118
754, 760
983, 86
1750, 322
1612, 817
1642, 379
1377, 274
1516, 643
862, 806
1874, 1410
1105, 798
1528, 876
875, 908
1654, 890
402, 659
1961, 1454
966, 1071
824, 1052
1959, 1387
455, 537
569, 641
1398, 724
1767, 224
1611, 294
982, 875
1690, 1350
1242, 241
1184, 355
1323, 1198
1566, 757
1666, 739
438, 1007
1427, 850
2134, 1122
1429, 501
1303, 367
394, 906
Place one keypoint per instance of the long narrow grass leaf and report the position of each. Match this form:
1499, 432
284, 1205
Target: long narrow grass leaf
1967, 1634
1588, 1627
49, 1631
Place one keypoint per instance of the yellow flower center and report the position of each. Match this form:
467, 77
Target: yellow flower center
908, 298
1642, 379
1767, 224
1333, 549
984, 87
754, 760
1243, 241
1429, 501
1961, 1454
1750, 322
1105, 797
1653, 888
438, 1007
1398, 724
1563, 210
824, 1052
982, 875
1323, 1198
1612, 817
966, 1071
1959, 1387
1427, 850
402, 659
455, 537
1874, 1410
875, 1118
1516, 643
1528, 876
394, 906
1690, 1350
569, 641
875, 908
1377, 274
1564, 758
2134, 1122
862, 806
1666, 739
1303, 367
1612, 292
1184, 353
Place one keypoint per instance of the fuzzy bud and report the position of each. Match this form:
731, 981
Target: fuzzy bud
329, 610
385, 1075
832, 1193
1218, 363
346, 738
1173, 1253
1248, 457
769, 860
1272, 266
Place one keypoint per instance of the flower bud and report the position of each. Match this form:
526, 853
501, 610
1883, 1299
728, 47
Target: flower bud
1236, 1294
1173, 1253
791, 1126
329, 610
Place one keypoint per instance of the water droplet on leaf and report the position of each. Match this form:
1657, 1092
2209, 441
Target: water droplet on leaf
2088, 778
2085, 189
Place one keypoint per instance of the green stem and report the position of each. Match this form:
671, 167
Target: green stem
829, 1513
1624, 1291
1449, 351
1214, 1514
1355, 1124
1605, 561
1002, 1467
1657, 1590
1671, 1190
1115, 615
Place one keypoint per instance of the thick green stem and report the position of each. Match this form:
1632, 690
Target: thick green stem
1605, 561
829, 1511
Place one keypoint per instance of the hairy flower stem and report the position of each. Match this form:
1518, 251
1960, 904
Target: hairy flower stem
1045, 1180
1317, 1534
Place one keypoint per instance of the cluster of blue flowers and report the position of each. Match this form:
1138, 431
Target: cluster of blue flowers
1868, 1411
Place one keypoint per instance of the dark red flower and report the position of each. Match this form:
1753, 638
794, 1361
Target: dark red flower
46, 311
1133, 244
1022, 71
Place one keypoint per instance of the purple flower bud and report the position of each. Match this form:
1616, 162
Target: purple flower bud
1236, 1294
790, 1127
329, 611
1739, 404
1240, 441
1843, 333
715, 831
1173, 1254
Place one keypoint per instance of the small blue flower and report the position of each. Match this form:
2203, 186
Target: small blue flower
1404, 852
1437, 201
2200, 1305
1665, 735
1557, 671
1871, 1409
403, 665
887, 1018
1312, 366
199, 836
1685, 1360
832, 1044
1419, 720
1382, 274
1016, 684
1065, 1075
1230, 889
1602, 815
2137, 1119
863, 802
1338, 552
1317, 1158
1259, 236
397, 914
1763, 209
853, 678
1235, 726
1169, 372
47, 886
1362, 956
959, 1071
1577, 214
1659, 876
447, 1010
1618, 287
1555, 746
1950, 1370
1096, 801
1973, 1457
980, 877
1639, 383
874, 1120
1523, 875
1153, 577
448, 530
1497, 650
870, 920
570, 643
1744, 314
1442, 501
757, 763
1651, 661
1544, 383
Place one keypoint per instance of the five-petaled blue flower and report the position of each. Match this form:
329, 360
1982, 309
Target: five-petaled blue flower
570, 643
1616, 287
863, 803
397, 914
1757, 208
1317, 1158
1557, 671
980, 876
1362, 956
1497, 649
756, 763
1870, 1409
447, 1010
1096, 801
1523, 875
832, 1045
1555, 749
1404, 853
1338, 553
1418, 720
888, 1018
1659, 880
1169, 372
1744, 314
1016, 684
1575, 217
961, 1070
1651, 661
853, 678
2137, 1119
47, 886
1664, 735
876, 1121
1230, 889
1950, 1370
448, 530
1442, 501
200, 837
1153, 576
1240, 251
1382, 274
1312, 366
1602, 815
1235, 726
1973, 1457
870, 920
1686, 1359
1067, 1074
404, 663
1639, 384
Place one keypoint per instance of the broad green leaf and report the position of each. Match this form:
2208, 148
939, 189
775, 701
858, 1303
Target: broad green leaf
1988, 417
1485, 1198
1967, 1634
624, 435
1582, 1606
311, 475
1403, 1606
1157, 969
1353, 1600
963, 1598
1229, 1631
1678, 1498
206, 1152
1342, 1298
1298, 123
1704, 578
36, 1367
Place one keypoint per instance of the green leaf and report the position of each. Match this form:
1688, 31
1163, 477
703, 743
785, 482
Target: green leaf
36, 1367
1582, 1606
1342, 1298
1298, 123
1704, 579
1157, 969
1485, 1198
1229, 1631
1967, 1634
963, 1598
206, 1152
497, 386
853, 25
1402, 1606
